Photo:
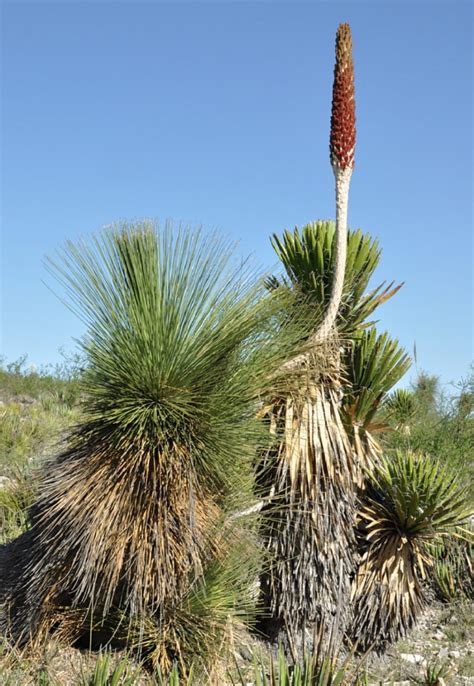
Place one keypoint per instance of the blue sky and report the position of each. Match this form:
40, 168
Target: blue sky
218, 114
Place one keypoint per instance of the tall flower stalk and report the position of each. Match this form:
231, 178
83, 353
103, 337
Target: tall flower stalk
342, 142
342, 147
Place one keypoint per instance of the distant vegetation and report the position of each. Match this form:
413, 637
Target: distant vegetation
435, 421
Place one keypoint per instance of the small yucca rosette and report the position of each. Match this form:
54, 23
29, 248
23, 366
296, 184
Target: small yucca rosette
343, 132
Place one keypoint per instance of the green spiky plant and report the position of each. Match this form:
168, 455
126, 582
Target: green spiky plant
400, 408
199, 633
180, 346
309, 260
328, 422
410, 503
107, 674
374, 363
370, 364
435, 674
311, 521
321, 668
453, 569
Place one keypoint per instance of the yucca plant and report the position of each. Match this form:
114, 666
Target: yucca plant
400, 409
323, 664
329, 427
411, 502
318, 669
199, 633
453, 571
435, 674
194, 635
326, 420
307, 471
180, 346
309, 521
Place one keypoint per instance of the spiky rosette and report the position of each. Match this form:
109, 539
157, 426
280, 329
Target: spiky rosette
180, 345
400, 409
309, 256
343, 132
374, 364
410, 503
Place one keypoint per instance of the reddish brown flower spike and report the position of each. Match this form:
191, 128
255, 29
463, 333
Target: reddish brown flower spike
343, 132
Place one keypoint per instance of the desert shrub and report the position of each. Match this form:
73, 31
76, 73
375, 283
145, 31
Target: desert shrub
411, 503
453, 573
181, 345
438, 425
27, 430
16, 495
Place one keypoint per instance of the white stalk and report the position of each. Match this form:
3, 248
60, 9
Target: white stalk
343, 179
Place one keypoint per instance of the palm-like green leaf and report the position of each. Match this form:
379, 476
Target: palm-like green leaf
421, 498
374, 363
410, 503
309, 262
453, 572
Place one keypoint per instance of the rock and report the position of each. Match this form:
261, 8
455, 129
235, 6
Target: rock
5, 481
455, 654
439, 636
443, 653
24, 400
413, 658
245, 653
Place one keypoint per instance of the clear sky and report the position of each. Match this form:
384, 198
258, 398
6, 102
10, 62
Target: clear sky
218, 114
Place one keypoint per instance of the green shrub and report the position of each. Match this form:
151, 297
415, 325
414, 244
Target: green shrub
411, 504
122, 673
439, 426
27, 430
16, 495
132, 519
